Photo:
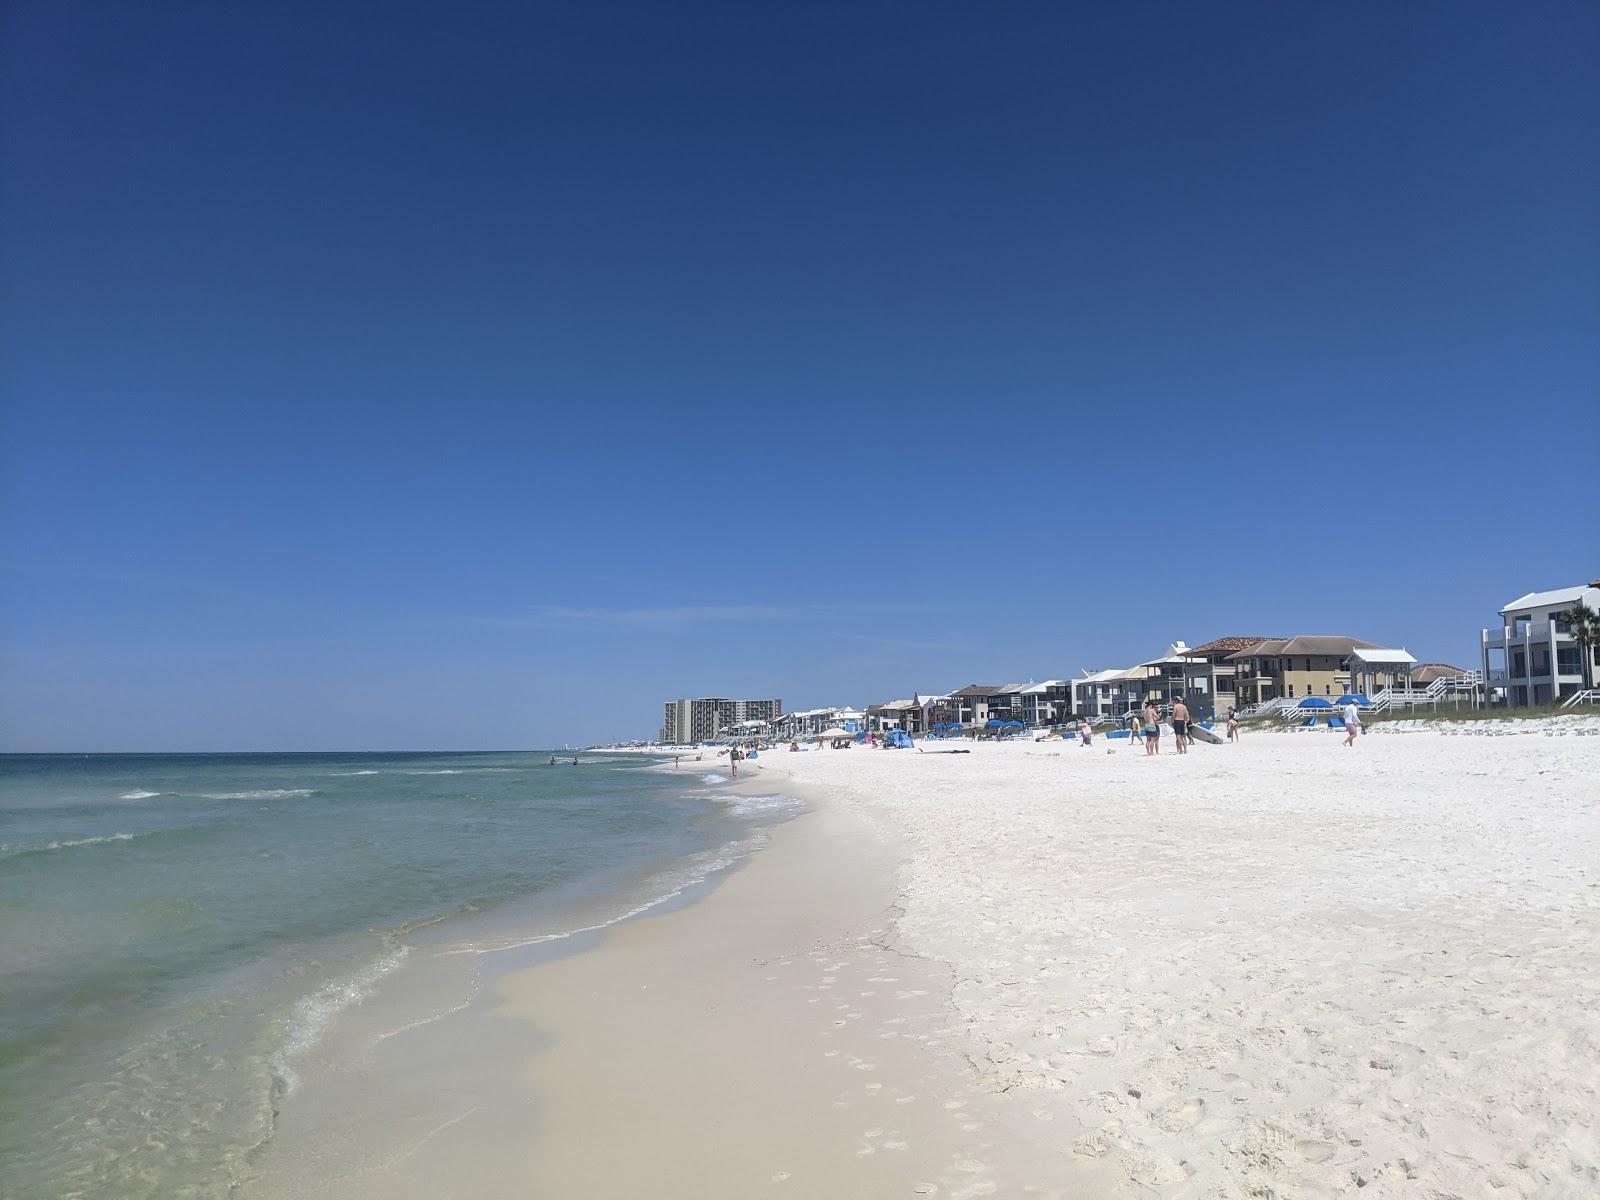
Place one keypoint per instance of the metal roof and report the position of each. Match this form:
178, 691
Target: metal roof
1382, 656
1569, 595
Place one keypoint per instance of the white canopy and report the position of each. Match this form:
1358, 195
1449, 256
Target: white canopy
836, 732
1387, 658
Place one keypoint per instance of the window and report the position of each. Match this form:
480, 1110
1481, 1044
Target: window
1519, 664
1291, 690
1308, 666
1327, 690
1568, 662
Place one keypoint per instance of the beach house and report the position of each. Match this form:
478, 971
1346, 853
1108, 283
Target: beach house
980, 702
1212, 661
1097, 694
1046, 703
1293, 668
1533, 656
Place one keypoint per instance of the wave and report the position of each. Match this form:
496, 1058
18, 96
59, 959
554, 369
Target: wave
11, 850
143, 795
311, 1015
714, 778
262, 794
751, 806
345, 773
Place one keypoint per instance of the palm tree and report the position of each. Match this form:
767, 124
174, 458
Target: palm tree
1585, 625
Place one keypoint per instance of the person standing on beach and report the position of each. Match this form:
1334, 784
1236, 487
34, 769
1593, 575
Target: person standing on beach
733, 761
1233, 724
1085, 733
1352, 723
1152, 729
1180, 724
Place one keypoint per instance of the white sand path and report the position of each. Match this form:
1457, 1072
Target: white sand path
1276, 969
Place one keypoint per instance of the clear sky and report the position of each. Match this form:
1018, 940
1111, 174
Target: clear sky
481, 375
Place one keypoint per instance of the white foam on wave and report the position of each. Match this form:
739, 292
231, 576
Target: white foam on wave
262, 794
342, 773
714, 778
69, 843
311, 1015
139, 795
753, 806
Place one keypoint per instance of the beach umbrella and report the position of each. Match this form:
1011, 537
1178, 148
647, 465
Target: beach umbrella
956, 725
994, 723
1315, 702
1013, 724
1354, 698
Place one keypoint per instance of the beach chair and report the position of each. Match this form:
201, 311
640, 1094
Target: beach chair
1335, 722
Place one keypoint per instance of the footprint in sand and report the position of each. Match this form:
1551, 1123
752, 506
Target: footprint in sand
1314, 1151
1182, 1116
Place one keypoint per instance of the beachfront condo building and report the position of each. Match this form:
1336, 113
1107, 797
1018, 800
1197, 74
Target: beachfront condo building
1294, 668
1533, 656
687, 722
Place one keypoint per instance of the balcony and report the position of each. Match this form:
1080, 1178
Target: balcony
1535, 633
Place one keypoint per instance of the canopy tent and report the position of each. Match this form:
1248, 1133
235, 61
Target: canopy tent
834, 734
899, 739
1315, 702
1357, 699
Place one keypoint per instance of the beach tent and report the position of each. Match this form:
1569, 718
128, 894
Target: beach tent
899, 739
835, 734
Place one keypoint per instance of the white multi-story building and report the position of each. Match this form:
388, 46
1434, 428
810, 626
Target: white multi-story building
1533, 658
1098, 694
686, 722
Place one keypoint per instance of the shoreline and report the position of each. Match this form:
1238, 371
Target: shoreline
1046, 970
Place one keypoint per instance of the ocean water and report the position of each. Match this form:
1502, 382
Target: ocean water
178, 932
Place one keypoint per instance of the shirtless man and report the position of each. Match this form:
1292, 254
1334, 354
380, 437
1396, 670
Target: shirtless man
1152, 729
1180, 725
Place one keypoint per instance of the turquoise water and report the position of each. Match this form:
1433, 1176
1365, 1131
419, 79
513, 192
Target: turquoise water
176, 930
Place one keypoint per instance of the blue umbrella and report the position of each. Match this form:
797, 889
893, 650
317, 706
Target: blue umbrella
993, 723
1314, 702
1355, 698
954, 725
1013, 724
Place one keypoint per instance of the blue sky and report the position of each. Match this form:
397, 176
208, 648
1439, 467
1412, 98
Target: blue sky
483, 375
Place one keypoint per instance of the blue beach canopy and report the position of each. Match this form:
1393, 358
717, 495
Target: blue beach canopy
1013, 724
1315, 702
1357, 698
994, 723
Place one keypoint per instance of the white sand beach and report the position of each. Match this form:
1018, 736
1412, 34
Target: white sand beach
1278, 968
1275, 969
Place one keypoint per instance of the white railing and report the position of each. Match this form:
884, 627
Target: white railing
1587, 696
1448, 685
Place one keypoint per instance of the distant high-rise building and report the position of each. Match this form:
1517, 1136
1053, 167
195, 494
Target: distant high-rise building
687, 721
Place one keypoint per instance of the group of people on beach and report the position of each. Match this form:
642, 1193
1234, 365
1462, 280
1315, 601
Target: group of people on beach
1148, 726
